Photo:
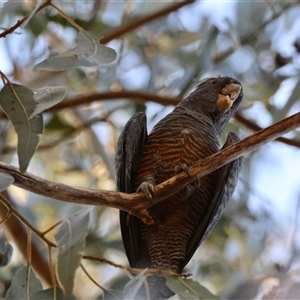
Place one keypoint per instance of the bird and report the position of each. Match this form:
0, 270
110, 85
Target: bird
191, 132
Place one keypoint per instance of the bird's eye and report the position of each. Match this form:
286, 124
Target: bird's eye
214, 81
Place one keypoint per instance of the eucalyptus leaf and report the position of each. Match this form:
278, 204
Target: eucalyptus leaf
24, 283
5, 181
51, 293
70, 240
248, 11
10, 7
32, 13
189, 289
88, 53
132, 287
48, 97
18, 104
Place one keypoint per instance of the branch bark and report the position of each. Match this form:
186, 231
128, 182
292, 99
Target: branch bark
136, 203
164, 100
17, 231
144, 97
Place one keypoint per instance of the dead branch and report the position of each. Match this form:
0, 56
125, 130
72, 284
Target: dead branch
136, 203
18, 233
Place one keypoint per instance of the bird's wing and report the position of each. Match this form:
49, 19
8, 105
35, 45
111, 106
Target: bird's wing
226, 180
129, 149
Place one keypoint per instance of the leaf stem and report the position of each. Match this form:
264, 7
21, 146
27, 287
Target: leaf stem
20, 217
96, 283
78, 27
20, 22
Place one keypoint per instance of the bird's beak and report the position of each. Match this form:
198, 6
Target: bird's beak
227, 96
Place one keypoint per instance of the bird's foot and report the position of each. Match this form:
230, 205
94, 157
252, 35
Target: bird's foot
147, 189
140, 212
182, 168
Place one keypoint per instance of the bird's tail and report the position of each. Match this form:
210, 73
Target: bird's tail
157, 288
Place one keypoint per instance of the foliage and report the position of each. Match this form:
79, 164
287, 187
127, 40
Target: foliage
74, 72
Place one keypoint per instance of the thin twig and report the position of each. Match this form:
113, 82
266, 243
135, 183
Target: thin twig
133, 95
18, 232
149, 271
254, 127
250, 36
163, 100
9, 213
20, 22
140, 97
96, 283
121, 30
20, 217
103, 260
51, 228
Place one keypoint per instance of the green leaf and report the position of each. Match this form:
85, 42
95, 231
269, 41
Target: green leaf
51, 293
48, 97
10, 8
6, 252
132, 287
18, 104
88, 53
32, 13
38, 24
189, 289
56, 123
5, 181
24, 283
70, 240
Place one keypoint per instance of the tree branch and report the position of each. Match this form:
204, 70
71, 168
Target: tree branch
136, 203
121, 30
254, 127
18, 232
144, 97
138, 96
164, 100
219, 159
250, 36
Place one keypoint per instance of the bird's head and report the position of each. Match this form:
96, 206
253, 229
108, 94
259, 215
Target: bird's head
218, 98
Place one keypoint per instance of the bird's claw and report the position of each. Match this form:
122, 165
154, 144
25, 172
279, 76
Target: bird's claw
147, 189
181, 168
